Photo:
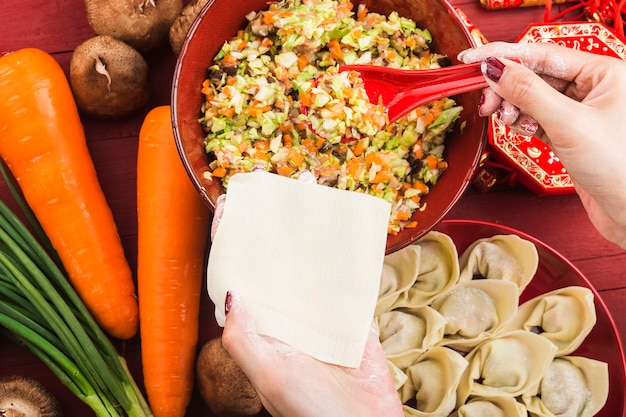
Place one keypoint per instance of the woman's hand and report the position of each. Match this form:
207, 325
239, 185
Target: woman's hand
293, 384
574, 101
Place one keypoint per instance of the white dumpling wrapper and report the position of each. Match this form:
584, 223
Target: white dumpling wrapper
511, 364
573, 386
406, 333
491, 407
288, 247
475, 310
438, 271
432, 382
505, 257
564, 316
400, 270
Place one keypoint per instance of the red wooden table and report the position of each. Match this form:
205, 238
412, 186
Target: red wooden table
560, 221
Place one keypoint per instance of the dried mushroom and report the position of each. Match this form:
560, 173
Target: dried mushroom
109, 78
223, 385
22, 396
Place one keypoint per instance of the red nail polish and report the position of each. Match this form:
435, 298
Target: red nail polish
481, 101
529, 125
228, 303
493, 68
499, 112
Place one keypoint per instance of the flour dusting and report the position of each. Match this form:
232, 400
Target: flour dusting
528, 53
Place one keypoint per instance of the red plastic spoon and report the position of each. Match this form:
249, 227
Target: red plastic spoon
404, 90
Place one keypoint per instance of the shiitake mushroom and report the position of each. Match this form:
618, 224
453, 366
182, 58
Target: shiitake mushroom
109, 79
142, 24
22, 396
222, 383
182, 24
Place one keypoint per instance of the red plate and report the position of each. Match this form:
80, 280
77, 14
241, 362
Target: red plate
554, 271
540, 170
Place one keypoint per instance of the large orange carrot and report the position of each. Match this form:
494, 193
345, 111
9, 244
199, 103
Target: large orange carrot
43, 143
173, 228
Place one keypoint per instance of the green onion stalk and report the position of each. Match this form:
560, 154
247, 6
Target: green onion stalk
41, 311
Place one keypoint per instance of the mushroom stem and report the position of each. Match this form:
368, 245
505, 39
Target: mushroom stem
102, 69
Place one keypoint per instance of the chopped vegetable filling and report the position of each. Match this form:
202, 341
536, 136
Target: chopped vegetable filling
286, 59
340, 108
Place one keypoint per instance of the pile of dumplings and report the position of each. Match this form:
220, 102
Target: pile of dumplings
459, 343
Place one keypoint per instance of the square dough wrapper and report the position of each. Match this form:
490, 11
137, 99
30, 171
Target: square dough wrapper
306, 259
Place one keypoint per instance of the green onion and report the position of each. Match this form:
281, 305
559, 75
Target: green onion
40, 310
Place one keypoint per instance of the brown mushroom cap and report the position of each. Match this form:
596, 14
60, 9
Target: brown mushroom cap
22, 396
223, 385
143, 24
109, 78
182, 24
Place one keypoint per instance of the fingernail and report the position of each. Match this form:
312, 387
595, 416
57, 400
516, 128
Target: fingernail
228, 303
529, 125
493, 68
507, 113
481, 101
499, 112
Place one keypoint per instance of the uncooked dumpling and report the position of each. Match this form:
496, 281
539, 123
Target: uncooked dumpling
564, 316
491, 407
475, 310
406, 333
432, 382
493, 358
505, 257
511, 364
397, 374
438, 271
400, 271
573, 386
400, 331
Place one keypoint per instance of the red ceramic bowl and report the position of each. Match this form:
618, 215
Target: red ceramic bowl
554, 272
220, 20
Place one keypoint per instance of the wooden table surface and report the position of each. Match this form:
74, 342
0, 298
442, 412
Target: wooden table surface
58, 26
